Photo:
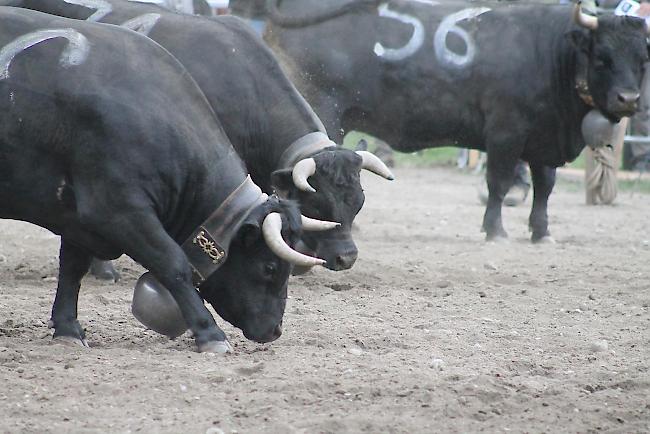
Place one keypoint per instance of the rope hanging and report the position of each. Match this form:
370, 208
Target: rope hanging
602, 179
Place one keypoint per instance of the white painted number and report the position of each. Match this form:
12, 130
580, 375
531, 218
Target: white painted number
142, 24
413, 45
102, 7
74, 54
450, 25
445, 56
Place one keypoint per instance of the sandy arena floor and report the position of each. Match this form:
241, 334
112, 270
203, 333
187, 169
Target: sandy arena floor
433, 330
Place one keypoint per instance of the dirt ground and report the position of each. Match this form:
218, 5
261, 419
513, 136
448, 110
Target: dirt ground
433, 330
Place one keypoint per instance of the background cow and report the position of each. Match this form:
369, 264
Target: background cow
515, 81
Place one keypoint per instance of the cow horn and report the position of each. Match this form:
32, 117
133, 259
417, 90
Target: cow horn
374, 164
272, 231
582, 19
303, 170
314, 225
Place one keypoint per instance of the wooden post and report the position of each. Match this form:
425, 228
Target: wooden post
473, 158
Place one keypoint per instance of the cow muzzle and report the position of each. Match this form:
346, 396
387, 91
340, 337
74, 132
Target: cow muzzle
625, 103
263, 338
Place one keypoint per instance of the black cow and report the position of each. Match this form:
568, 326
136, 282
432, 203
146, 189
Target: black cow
513, 80
262, 113
107, 141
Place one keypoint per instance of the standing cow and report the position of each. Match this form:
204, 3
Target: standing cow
515, 80
123, 154
277, 134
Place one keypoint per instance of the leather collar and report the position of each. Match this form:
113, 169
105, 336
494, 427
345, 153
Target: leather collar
582, 86
207, 247
304, 147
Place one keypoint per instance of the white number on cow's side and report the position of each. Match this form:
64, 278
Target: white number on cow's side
102, 8
411, 47
143, 23
74, 54
444, 55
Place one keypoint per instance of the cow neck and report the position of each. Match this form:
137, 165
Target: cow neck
207, 247
582, 85
304, 147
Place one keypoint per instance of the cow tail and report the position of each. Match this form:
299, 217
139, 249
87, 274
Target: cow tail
273, 10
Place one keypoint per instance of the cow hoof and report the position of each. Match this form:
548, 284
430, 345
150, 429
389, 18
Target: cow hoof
517, 195
545, 240
498, 239
104, 270
70, 341
216, 347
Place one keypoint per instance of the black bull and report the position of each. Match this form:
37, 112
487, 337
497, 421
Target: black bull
502, 79
123, 154
261, 111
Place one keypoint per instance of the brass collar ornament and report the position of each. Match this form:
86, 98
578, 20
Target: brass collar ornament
207, 247
304, 147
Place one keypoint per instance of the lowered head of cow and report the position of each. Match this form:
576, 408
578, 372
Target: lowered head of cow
328, 187
616, 51
251, 292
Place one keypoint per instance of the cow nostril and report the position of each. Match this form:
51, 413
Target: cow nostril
343, 262
628, 97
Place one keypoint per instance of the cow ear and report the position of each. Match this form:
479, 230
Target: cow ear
579, 40
282, 182
250, 232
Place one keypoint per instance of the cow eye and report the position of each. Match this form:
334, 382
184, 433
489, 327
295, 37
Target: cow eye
270, 269
602, 62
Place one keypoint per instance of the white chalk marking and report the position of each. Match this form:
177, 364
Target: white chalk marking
426, 2
143, 23
59, 190
74, 54
411, 47
102, 8
445, 56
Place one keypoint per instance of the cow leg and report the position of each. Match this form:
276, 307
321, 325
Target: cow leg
104, 270
146, 241
500, 175
73, 265
543, 182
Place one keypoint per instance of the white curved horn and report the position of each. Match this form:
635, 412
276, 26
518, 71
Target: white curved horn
303, 170
374, 164
314, 225
582, 19
272, 231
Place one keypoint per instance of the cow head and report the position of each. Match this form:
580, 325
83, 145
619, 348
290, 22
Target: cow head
616, 50
250, 290
328, 187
